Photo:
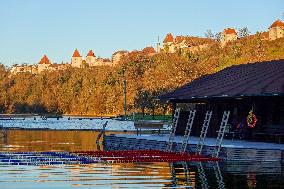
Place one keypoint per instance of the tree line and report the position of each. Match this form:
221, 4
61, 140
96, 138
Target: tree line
99, 90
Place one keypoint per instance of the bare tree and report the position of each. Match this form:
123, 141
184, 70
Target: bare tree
209, 34
243, 32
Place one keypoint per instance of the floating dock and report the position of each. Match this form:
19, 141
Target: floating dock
239, 150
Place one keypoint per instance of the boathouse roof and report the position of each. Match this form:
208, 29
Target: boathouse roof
246, 80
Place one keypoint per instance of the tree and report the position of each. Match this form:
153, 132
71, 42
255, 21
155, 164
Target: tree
243, 32
209, 34
218, 36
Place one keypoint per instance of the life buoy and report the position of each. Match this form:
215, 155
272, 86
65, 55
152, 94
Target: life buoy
251, 119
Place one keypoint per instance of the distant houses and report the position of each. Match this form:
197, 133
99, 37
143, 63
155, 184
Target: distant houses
171, 44
76, 61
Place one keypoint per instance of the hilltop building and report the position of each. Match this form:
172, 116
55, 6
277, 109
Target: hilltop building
168, 44
229, 34
24, 69
43, 64
117, 56
91, 58
276, 30
76, 60
149, 51
185, 43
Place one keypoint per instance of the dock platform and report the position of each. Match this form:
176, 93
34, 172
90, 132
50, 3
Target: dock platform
231, 149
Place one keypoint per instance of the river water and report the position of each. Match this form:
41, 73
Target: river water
107, 175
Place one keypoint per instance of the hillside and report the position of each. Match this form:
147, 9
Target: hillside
99, 90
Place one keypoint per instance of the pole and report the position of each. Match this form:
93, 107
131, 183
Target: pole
124, 92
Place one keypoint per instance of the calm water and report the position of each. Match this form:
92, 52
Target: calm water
130, 175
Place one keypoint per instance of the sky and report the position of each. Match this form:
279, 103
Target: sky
31, 28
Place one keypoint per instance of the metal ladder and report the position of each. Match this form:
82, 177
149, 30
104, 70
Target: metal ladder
187, 130
221, 133
102, 133
187, 175
203, 132
173, 130
219, 177
202, 176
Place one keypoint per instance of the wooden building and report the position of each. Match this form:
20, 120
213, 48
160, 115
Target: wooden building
240, 89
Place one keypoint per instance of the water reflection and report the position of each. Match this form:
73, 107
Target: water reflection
131, 175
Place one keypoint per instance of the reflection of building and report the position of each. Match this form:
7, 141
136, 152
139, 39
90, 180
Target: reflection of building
276, 30
228, 34
76, 60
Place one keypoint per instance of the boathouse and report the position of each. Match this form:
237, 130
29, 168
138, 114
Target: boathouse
257, 87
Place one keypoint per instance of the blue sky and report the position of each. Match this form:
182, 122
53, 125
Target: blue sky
31, 28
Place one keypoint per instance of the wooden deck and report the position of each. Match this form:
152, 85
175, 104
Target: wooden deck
231, 149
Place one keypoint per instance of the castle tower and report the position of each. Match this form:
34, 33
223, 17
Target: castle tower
276, 30
91, 58
76, 60
229, 34
43, 64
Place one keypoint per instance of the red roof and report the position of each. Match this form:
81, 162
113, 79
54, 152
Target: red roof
148, 50
169, 38
230, 31
44, 60
277, 23
91, 53
76, 53
179, 39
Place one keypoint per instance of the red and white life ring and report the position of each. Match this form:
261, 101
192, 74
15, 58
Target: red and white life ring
251, 120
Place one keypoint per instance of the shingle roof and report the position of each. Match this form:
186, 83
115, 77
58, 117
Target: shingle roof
76, 53
91, 53
254, 79
230, 31
277, 23
44, 60
169, 38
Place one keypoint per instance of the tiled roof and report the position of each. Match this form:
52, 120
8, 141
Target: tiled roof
254, 79
230, 31
76, 53
169, 38
277, 23
148, 50
179, 39
91, 53
44, 60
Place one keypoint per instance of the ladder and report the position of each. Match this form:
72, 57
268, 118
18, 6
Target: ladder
102, 133
221, 133
173, 174
187, 130
219, 177
173, 130
188, 178
202, 176
203, 132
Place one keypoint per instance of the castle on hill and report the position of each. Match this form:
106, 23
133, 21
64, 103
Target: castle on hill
76, 61
173, 44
